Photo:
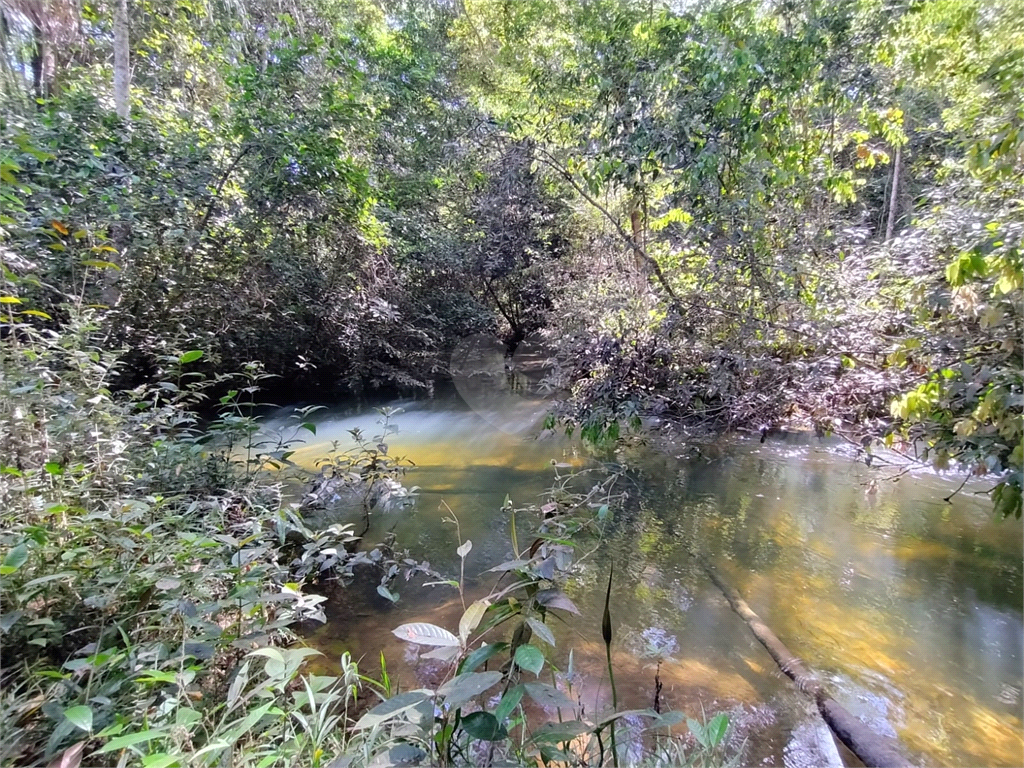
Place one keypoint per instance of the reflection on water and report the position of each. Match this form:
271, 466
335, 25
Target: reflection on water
910, 608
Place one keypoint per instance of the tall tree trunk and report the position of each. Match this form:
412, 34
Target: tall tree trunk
121, 231
37, 60
122, 71
893, 194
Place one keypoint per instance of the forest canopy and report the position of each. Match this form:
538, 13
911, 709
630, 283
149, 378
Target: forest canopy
713, 215
724, 213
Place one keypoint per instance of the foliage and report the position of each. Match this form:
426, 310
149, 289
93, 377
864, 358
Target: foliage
720, 215
368, 470
142, 559
475, 713
806, 210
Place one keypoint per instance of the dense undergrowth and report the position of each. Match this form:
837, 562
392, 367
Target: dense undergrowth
143, 562
723, 216
152, 577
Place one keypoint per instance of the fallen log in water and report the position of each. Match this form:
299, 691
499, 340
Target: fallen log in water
874, 750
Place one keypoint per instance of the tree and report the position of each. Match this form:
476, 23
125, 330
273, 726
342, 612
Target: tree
122, 69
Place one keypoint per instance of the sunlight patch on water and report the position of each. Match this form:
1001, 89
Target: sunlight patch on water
908, 606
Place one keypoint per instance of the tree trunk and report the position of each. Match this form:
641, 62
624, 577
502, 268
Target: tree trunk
121, 231
122, 71
37, 61
893, 194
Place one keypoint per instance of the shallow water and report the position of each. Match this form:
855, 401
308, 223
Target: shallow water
909, 607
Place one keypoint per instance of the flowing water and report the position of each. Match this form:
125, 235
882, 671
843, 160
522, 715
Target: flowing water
910, 608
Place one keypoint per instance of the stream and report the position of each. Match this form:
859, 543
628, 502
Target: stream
909, 608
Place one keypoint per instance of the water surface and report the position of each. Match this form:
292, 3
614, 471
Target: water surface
909, 607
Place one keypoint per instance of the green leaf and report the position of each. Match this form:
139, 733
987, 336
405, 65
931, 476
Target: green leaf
129, 740
480, 655
191, 356
386, 593
530, 658
461, 689
509, 702
247, 723
471, 618
160, 760
54, 468
555, 733
483, 726
548, 696
35, 313
717, 728
157, 676
392, 708
81, 716
275, 666
1006, 498
698, 732
15, 559
541, 630
100, 264
310, 426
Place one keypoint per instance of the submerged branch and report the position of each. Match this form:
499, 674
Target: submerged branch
872, 748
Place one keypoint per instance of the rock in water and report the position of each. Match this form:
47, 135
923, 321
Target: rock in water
811, 746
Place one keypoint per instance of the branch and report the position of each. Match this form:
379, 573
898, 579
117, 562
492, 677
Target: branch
954, 493
216, 193
549, 160
680, 305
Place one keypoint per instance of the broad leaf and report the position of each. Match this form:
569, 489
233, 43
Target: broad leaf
471, 618
444, 653
392, 708
120, 742
15, 559
530, 658
480, 655
160, 760
548, 696
716, 729
511, 565
555, 598
461, 689
483, 726
556, 733
425, 634
80, 716
509, 702
541, 630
